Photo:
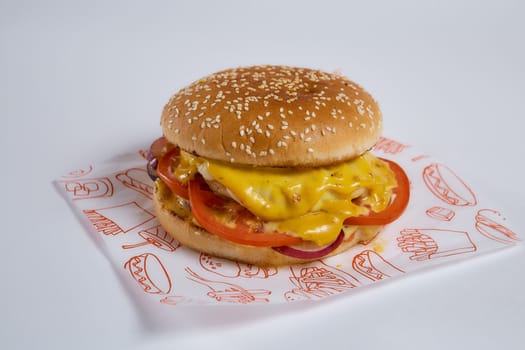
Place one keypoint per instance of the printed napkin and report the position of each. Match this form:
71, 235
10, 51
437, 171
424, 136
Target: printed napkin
446, 220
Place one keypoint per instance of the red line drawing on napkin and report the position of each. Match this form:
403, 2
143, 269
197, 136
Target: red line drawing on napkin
156, 236
389, 146
229, 292
227, 268
373, 266
440, 213
88, 188
434, 243
78, 173
488, 223
175, 300
119, 218
138, 180
149, 272
447, 186
316, 282
370, 239
143, 153
418, 158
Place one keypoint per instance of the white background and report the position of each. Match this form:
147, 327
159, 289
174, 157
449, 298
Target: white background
83, 81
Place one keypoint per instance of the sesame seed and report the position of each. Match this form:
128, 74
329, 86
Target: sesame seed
271, 151
234, 144
310, 150
270, 126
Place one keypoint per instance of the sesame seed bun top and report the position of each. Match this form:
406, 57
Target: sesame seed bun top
273, 116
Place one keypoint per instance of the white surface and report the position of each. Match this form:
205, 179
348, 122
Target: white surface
84, 81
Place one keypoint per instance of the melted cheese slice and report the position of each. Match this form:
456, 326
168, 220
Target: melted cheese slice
311, 203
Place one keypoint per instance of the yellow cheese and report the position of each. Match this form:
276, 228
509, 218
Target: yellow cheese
311, 203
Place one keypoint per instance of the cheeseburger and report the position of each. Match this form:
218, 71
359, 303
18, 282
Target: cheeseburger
269, 165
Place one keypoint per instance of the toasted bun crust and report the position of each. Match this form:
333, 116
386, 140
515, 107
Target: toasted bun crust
273, 116
201, 240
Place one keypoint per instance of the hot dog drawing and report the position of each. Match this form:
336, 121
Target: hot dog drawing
488, 223
373, 266
149, 272
447, 186
425, 244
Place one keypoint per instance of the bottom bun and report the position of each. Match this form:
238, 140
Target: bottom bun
199, 239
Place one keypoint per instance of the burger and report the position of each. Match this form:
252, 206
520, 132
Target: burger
270, 165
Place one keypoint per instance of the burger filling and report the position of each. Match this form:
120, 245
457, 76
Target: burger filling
310, 203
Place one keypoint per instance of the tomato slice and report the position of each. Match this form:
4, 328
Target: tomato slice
396, 207
165, 172
239, 225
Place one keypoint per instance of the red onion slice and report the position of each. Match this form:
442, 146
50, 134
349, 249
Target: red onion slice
151, 167
311, 254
